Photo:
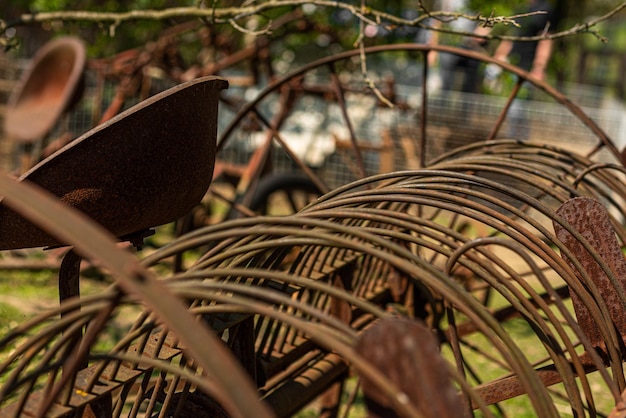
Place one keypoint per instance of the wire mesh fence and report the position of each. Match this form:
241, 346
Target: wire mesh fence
388, 137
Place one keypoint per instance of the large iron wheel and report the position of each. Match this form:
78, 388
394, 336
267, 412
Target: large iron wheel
283, 194
387, 119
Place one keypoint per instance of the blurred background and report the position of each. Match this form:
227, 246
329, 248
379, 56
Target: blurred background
586, 69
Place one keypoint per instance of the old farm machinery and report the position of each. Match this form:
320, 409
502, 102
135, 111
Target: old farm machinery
454, 281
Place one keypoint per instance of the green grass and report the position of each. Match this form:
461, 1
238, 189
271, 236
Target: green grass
9, 317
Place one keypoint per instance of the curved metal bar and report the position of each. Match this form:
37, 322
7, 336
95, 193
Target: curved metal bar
595, 167
390, 194
505, 110
340, 95
329, 214
554, 298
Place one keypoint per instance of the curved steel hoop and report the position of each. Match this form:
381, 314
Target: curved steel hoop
452, 236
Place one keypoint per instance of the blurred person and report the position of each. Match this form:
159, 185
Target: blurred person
457, 72
452, 72
531, 56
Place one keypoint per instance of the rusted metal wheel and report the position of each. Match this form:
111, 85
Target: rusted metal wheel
283, 193
389, 117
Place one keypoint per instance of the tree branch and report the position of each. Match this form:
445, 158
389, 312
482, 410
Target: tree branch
231, 15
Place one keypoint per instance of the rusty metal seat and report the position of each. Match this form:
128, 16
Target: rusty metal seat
49, 87
146, 167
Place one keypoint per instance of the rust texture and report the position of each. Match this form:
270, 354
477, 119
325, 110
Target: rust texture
407, 352
592, 221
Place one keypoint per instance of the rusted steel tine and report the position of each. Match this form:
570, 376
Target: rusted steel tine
339, 94
505, 109
510, 387
508, 312
288, 399
97, 382
421, 143
592, 221
72, 228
